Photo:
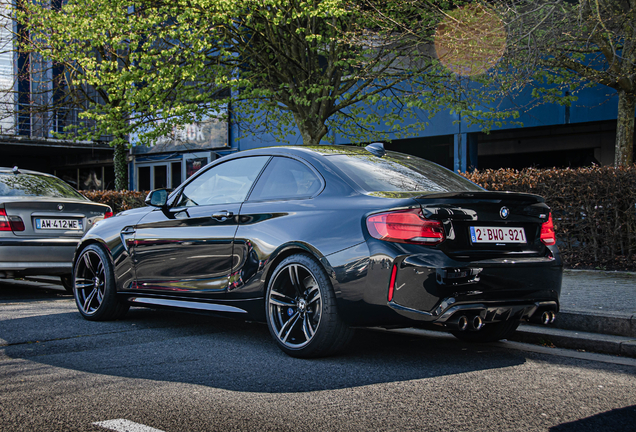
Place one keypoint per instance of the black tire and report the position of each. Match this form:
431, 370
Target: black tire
301, 310
490, 333
94, 286
67, 283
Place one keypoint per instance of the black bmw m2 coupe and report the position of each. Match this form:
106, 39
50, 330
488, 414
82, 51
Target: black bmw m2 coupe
315, 241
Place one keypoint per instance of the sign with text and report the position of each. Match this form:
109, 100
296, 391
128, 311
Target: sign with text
208, 134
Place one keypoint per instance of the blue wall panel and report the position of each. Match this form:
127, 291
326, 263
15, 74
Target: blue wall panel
594, 104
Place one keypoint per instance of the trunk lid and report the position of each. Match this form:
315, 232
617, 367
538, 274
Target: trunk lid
55, 217
484, 225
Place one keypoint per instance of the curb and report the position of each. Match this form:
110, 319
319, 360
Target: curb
608, 273
577, 340
616, 324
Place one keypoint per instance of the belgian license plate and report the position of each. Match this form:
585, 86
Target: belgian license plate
497, 235
58, 224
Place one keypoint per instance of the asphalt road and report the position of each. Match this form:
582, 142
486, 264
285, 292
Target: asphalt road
180, 372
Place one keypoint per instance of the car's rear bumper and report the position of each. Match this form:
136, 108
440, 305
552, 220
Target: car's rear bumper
495, 290
36, 256
450, 314
431, 288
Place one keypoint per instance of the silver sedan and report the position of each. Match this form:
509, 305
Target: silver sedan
42, 219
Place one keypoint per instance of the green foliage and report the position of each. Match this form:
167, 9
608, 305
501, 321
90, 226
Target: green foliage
347, 66
120, 159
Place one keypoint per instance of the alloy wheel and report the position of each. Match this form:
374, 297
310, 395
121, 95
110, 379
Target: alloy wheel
90, 282
295, 306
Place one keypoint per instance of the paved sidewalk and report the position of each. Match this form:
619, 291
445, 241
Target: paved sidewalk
598, 302
599, 292
598, 313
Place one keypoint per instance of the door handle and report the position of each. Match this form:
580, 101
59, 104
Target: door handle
128, 230
222, 216
127, 236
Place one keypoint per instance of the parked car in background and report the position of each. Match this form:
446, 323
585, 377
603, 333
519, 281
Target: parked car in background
317, 240
42, 219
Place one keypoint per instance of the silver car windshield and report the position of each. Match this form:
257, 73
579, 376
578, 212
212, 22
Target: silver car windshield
396, 172
17, 185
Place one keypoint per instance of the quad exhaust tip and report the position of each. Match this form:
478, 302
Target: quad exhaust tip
463, 323
475, 323
545, 318
548, 317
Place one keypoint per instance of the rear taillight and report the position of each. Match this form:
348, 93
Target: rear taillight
10, 223
547, 232
16, 223
405, 226
108, 214
4, 221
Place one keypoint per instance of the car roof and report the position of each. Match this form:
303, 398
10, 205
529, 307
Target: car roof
322, 150
23, 171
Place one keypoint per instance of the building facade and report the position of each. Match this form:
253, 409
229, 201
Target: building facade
33, 120
549, 135
175, 157
32, 133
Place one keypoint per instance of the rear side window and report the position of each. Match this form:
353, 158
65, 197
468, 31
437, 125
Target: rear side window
286, 178
33, 185
397, 172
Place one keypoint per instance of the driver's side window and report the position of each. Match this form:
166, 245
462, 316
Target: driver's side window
226, 183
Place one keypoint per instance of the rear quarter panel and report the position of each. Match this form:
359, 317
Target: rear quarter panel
316, 226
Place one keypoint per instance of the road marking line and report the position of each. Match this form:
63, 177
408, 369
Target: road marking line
123, 425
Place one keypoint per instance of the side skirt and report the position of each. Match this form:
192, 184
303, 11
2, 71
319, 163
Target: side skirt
252, 309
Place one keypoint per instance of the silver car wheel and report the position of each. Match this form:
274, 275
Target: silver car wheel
295, 306
90, 282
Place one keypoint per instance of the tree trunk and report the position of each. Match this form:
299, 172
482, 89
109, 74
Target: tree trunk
624, 148
120, 162
312, 131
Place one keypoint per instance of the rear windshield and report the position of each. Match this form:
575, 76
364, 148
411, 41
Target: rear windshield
16, 185
396, 172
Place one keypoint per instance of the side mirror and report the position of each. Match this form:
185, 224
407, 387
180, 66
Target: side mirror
157, 198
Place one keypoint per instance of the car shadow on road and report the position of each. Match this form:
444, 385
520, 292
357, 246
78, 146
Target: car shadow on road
621, 419
234, 355
19, 290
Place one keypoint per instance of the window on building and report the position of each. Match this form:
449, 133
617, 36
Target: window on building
161, 176
143, 178
175, 174
195, 164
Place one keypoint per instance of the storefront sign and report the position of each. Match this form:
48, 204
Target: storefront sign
205, 135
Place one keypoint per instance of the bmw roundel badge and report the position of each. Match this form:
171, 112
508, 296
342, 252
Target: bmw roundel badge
504, 212
60, 207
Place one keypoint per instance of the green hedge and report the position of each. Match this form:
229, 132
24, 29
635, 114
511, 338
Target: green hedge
117, 200
594, 210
